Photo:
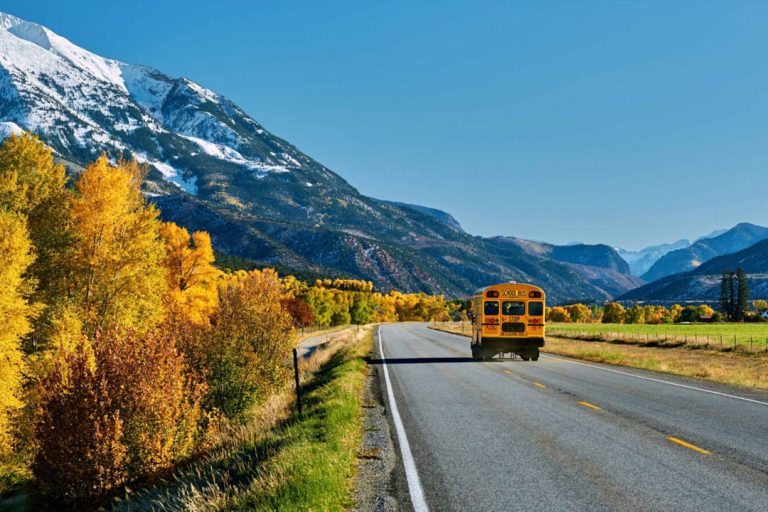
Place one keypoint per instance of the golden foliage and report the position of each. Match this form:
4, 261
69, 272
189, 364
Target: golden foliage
117, 275
15, 312
32, 184
192, 279
125, 407
251, 342
558, 314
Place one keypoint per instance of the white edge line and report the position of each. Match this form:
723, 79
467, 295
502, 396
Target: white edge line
411, 475
660, 381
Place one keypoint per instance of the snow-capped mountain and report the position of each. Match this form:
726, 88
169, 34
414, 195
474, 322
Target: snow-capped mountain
86, 104
215, 168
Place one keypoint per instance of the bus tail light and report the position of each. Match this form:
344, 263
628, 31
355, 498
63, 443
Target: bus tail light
534, 295
492, 293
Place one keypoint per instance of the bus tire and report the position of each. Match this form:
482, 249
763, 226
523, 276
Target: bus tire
535, 356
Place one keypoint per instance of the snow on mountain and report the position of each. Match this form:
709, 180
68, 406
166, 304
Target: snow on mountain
8, 128
87, 104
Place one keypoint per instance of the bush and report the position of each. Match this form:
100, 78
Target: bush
300, 312
126, 408
613, 313
244, 358
558, 314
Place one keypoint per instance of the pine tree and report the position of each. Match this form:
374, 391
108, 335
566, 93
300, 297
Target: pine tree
742, 300
731, 296
724, 302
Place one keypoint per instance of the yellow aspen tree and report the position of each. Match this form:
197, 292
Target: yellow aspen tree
117, 273
192, 291
32, 184
15, 312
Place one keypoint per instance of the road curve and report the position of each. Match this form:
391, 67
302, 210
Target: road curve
559, 434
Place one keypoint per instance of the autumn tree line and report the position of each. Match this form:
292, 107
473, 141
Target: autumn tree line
615, 313
125, 349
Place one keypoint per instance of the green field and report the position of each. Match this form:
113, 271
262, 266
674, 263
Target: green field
691, 333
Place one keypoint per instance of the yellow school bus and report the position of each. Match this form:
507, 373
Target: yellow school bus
507, 318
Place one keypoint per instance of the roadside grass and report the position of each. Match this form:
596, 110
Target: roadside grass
736, 367
315, 467
278, 460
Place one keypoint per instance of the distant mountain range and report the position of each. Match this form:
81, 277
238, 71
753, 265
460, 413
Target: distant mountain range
683, 260
703, 283
215, 168
641, 261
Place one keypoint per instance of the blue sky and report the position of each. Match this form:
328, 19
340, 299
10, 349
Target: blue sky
627, 123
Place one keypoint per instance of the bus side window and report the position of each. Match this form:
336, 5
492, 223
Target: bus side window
491, 308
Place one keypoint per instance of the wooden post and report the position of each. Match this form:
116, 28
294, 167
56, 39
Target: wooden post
296, 379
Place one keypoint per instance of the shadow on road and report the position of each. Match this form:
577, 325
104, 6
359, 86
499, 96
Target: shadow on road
422, 360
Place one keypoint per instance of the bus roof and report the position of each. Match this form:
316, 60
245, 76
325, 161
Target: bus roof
528, 286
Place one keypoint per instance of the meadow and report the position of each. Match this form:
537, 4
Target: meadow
725, 334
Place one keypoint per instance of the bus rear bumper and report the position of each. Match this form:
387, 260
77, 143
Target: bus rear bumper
511, 344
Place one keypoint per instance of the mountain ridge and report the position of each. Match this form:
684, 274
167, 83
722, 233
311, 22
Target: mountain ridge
215, 168
734, 239
703, 283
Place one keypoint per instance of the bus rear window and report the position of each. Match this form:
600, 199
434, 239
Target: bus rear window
491, 307
516, 308
535, 308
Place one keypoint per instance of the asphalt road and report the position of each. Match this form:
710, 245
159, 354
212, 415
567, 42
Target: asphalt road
560, 434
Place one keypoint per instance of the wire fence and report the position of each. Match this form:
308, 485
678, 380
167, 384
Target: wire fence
722, 341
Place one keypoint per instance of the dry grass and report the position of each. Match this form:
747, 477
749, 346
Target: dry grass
736, 367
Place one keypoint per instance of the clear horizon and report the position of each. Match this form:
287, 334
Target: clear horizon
635, 122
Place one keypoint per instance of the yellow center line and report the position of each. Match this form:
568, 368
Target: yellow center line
539, 385
591, 406
688, 445
508, 371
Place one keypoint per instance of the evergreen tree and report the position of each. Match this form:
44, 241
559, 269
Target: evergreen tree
731, 297
742, 301
724, 295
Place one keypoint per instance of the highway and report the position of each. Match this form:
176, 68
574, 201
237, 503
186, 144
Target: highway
561, 434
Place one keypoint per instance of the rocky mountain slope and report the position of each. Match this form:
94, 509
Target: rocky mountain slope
683, 260
213, 167
703, 283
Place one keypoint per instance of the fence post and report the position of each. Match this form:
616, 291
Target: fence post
296, 379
